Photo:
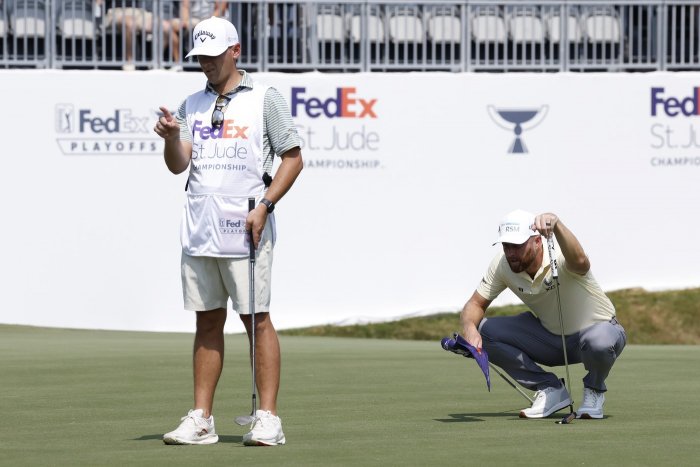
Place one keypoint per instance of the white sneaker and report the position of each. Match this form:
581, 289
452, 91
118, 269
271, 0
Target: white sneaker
592, 405
193, 429
547, 401
266, 430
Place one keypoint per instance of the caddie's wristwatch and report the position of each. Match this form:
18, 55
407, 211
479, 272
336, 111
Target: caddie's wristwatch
269, 204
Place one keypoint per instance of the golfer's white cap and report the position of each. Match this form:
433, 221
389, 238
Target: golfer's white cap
516, 227
212, 37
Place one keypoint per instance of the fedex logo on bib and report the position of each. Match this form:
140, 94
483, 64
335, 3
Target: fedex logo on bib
227, 130
344, 104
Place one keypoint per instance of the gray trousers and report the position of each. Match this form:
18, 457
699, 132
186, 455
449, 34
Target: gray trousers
518, 343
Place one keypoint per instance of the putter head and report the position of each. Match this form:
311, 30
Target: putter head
568, 419
245, 420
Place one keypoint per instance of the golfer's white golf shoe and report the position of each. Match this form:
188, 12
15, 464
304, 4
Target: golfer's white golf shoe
266, 430
547, 401
592, 405
193, 429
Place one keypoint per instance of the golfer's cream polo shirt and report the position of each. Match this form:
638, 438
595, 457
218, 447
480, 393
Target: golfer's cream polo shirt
583, 302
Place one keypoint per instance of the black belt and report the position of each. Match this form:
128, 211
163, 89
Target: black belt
614, 320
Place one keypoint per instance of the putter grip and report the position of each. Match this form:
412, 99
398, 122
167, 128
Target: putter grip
251, 246
552, 257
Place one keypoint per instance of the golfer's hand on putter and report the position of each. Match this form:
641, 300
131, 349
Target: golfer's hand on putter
545, 223
167, 127
255, 222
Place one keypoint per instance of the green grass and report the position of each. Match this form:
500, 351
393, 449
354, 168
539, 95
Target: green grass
105, 398
669, 317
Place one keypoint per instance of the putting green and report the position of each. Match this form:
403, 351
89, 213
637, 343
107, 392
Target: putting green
105, 398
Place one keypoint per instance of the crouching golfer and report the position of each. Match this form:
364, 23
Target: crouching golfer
519, 343
227, 134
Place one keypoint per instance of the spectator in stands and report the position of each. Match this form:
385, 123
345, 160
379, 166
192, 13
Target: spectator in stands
191, 13
132, 17
194, 11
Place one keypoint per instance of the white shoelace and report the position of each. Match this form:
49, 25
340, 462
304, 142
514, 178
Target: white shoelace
590, 398
195, 421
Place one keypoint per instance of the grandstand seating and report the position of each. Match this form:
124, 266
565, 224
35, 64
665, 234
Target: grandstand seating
379, 35
444, 28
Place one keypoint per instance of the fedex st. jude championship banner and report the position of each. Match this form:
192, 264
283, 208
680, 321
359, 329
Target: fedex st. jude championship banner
405, 179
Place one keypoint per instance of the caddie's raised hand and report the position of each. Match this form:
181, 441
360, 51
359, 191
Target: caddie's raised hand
167, 127
545, 223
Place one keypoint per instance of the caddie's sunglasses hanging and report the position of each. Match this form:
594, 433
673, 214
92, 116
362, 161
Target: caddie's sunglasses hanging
217, 117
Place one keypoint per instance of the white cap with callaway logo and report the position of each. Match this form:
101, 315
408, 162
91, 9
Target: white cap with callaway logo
516, 227
212, 37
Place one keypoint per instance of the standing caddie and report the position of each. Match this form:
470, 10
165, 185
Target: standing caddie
227, 134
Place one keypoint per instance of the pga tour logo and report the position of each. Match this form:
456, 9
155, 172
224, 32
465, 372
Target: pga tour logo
64, 118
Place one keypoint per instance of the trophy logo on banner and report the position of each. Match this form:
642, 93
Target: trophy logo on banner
517, 121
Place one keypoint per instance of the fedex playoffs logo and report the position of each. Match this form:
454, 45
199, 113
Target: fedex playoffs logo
344, 104
673, 106
85, 131
69, 120
231, 226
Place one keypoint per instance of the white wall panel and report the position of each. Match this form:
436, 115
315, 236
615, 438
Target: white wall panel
394, 214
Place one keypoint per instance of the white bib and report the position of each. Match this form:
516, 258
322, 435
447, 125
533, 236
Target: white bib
225, 170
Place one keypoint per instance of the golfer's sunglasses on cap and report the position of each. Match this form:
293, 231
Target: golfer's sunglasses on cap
217, 116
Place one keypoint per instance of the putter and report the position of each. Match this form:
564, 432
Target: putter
247, 419
555, 275
522, 393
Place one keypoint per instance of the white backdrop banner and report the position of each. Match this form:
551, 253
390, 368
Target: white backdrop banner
405, 179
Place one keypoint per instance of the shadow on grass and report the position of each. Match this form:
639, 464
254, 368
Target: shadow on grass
474, 417
222, 438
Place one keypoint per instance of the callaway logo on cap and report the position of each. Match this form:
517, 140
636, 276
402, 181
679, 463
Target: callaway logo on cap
212, 37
